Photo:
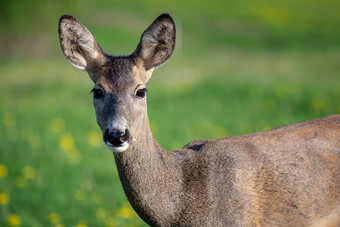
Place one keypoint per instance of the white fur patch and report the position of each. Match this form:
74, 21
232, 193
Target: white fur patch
119, 149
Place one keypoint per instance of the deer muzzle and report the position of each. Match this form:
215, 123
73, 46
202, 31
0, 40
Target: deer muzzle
116, 140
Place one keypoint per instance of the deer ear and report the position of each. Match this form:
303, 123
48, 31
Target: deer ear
157, 42
78, 44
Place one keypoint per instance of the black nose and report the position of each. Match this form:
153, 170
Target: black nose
116, 137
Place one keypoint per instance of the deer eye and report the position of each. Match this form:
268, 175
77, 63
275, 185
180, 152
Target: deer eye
141, 93
97, 93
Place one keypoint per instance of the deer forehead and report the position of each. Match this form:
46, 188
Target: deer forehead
118, 75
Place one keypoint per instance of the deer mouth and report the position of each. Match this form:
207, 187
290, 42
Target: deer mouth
117, 141
120, 148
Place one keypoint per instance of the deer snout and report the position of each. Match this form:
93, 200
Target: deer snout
116, 140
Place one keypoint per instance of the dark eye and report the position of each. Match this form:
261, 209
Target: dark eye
141, 93
97, 93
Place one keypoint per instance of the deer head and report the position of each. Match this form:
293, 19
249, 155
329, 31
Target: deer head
119, 93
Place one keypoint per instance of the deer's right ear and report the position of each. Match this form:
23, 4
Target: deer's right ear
157, 42
78, 44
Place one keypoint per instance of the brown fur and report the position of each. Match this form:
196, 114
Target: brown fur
289, 176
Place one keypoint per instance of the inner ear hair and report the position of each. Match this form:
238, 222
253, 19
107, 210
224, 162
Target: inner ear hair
78, 44
157, 42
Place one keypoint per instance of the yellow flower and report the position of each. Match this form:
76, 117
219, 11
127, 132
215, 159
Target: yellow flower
66, 142
82, 223
54, 218
97, 198
9, 119
110, 222
274, 16
57, 125
125, 212
29, 172
3, 170
20, 182
80, 194
100, 212
3, 198
95, 138
13, 220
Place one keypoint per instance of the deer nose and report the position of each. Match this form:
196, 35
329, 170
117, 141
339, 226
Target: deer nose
116, 138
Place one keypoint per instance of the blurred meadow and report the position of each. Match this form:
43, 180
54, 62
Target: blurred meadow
238, 67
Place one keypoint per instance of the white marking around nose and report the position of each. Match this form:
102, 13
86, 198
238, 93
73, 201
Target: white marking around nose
117, 124
119, 149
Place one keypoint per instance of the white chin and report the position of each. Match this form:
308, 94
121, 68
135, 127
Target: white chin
121, 148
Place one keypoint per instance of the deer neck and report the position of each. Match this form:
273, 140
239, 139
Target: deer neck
150, 177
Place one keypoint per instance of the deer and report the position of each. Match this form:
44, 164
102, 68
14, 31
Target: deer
288, 176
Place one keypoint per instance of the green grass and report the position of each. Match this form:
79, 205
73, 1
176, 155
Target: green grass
237, 68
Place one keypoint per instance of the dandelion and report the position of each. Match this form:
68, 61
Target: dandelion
97, 198
125, 212
3, 198
20, 182
110, 222
66, 142
274, 16
82, 223
13, 220
80, 195
29, 172
9, 119
57, 125
95, 138
100, 212
3, 170
53, 218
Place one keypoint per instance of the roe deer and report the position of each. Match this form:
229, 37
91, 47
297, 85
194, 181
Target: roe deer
289, 176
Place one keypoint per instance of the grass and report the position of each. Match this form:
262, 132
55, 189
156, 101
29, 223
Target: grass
236, 70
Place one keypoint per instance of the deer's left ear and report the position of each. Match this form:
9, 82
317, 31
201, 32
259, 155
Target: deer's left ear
157, 42
79, 45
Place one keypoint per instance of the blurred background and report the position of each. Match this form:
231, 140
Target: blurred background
238, 67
